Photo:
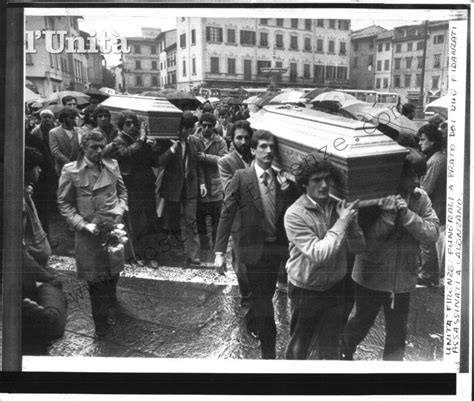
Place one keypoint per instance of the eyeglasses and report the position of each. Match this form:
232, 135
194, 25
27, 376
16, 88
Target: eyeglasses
129, 123
207, 125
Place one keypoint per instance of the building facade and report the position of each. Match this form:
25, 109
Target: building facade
167, 49
52, 72
140, 67
234, 52
363, 54
437, 61
383, 61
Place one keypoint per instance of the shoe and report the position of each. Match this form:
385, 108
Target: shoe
193, 261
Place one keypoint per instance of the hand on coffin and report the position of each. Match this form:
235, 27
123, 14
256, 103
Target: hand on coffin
143, 131
283, 180
219, 264
402, 205
347, 211
203, 190
389, 204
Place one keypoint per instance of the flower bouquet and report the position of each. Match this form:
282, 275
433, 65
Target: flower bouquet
113, 238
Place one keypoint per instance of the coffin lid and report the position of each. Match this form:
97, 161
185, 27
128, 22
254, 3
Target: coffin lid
143, 104
344, 138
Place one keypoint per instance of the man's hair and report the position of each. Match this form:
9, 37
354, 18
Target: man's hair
188, 119
433, 134
242, 124
100, 110
209, 117
408, 108
312, 164
223, 112
67, 112
92, 136
33, 158
127, 114
414, 163
207, 108
66, 99
261, 135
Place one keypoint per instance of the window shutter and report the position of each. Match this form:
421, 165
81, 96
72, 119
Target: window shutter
220, 35
254, 36
208, 34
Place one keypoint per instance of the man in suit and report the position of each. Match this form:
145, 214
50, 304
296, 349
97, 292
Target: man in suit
238, 159
64, 140
262, 196
224, 127
91, 193
183, 182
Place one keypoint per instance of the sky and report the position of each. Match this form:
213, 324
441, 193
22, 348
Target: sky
128, 21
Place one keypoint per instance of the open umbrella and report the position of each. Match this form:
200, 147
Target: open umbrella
315, 92
110, 91
213, 100
159, 93
439, 106
97, 94
30, 96
333, 96
56, 97
55, 108
291, 96
251, 100
266, 98
183, 100
230, 100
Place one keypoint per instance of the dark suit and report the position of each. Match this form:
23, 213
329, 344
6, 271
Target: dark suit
228, 165
261, 257
226, 136
63, 149
178, 189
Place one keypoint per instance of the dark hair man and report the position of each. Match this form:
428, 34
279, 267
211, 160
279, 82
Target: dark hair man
320, 231
183, 182
91, 192
136, 159
44, 303
387, 271
262, 242
238, 159
434, 183
409, 110
210, 205
101, 118
64, 140
69, 101
224, 128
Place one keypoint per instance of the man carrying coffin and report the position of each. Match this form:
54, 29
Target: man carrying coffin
320, 231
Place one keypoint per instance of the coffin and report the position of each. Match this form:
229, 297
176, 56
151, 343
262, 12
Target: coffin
159, 114
370, 161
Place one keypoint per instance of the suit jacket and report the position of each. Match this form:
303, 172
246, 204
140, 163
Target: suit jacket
63, 149
243, 196
227, 167
221, 133
174, 181
80, 203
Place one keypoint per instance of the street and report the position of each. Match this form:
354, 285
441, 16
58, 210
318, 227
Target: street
179, 312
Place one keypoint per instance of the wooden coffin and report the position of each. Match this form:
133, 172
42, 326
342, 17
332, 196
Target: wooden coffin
370, 161
159, 114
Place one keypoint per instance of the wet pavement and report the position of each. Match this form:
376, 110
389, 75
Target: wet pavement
179, 312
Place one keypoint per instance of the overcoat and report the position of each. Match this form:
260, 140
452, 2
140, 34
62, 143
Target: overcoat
81, 203
63, 149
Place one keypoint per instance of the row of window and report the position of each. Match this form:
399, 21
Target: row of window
155, 80
320, 71
407, 81
397, 62
138, 65
308, 23
138, 49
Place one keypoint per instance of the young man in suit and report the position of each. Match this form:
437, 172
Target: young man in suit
262, 197
238, 159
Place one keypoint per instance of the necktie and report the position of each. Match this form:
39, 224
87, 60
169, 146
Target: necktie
268, 200
266, 178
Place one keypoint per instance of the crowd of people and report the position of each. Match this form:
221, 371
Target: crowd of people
214, 188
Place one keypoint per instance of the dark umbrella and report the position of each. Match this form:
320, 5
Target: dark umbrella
183, 100
230, 100
97, 94
153, 93
316, 92
56, 97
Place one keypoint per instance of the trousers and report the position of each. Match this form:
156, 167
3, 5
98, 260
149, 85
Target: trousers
368, 303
